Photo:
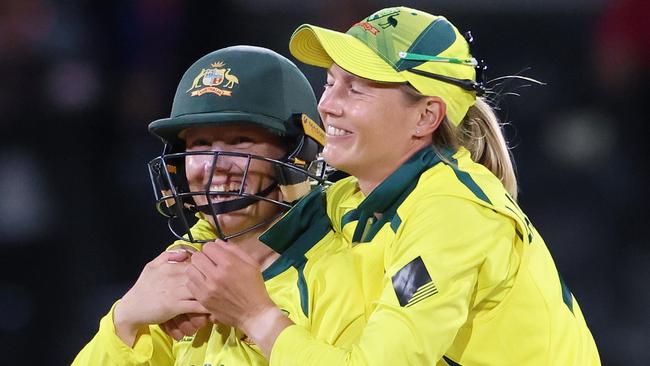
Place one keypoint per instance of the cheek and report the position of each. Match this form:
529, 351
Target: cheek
194, 169
260, 173
391, 125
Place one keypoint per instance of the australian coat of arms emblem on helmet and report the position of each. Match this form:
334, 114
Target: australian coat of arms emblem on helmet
217, 80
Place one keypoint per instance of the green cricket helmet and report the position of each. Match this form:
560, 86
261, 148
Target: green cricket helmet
242, 85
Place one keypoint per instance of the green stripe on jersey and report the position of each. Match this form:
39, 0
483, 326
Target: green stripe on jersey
467, 180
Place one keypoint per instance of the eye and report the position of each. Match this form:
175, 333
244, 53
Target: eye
327, 85
199, 143
355, 91
243, 141
356, 88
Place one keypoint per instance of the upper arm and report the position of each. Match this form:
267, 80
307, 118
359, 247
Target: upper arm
433, 270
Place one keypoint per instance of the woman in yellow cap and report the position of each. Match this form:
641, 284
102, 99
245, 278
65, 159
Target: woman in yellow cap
454, 273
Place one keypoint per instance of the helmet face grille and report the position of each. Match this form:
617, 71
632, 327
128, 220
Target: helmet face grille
255, 180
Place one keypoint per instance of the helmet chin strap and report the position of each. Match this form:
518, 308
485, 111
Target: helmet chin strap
219, 208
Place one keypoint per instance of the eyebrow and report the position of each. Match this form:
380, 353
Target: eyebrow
345, 76
348, 77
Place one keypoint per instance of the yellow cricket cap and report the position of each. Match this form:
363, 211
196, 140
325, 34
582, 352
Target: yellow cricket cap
398, 45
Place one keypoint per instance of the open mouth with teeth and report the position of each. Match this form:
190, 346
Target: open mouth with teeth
225, 192
334, 131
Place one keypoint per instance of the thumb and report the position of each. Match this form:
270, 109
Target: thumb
177, 255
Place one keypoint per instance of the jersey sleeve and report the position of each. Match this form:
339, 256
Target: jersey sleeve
152, 347
431, 280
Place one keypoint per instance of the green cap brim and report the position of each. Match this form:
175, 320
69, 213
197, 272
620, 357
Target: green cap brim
168, 129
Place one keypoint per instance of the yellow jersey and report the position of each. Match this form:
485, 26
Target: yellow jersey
453, 273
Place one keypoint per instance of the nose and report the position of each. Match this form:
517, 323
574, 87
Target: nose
330, 103
223, 164
213, 168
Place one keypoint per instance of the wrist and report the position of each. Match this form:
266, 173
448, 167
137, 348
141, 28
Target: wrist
125, 328
265, 328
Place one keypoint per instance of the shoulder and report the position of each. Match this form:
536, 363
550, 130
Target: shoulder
451, 236
459, 175
436, 214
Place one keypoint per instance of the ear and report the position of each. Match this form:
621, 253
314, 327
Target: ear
432, 114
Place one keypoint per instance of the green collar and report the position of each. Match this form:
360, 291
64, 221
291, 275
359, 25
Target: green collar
294, 235
297, 232
388, 195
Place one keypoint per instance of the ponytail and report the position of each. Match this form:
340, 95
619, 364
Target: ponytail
483, 137
480, 133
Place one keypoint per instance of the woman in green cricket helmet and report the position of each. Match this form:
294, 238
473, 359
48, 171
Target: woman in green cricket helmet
453, 271
252, 118
239, 145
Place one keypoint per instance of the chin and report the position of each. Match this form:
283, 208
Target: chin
335, 160
233, 223
241, 220
340, 164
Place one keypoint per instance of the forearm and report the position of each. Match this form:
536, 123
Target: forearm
393, 335
150, 347
295, 346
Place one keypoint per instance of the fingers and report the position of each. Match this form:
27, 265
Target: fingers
199, 320
222, 253
203, 264
169, 257
216, 251
191, 306
185, 325
172, 330
199, 269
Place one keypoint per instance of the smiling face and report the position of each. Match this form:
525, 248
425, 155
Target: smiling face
229, 171
373, 128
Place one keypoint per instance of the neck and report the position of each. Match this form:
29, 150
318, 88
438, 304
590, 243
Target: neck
368, 182
249, 243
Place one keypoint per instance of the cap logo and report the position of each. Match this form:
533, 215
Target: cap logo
209, 80
367, 27
391, 21
390, 12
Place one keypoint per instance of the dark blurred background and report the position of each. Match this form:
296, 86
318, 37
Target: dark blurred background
80, 81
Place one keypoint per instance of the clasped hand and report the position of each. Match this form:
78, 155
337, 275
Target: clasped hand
160, 295
226, 282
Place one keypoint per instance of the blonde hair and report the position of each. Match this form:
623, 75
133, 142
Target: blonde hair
481, 133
